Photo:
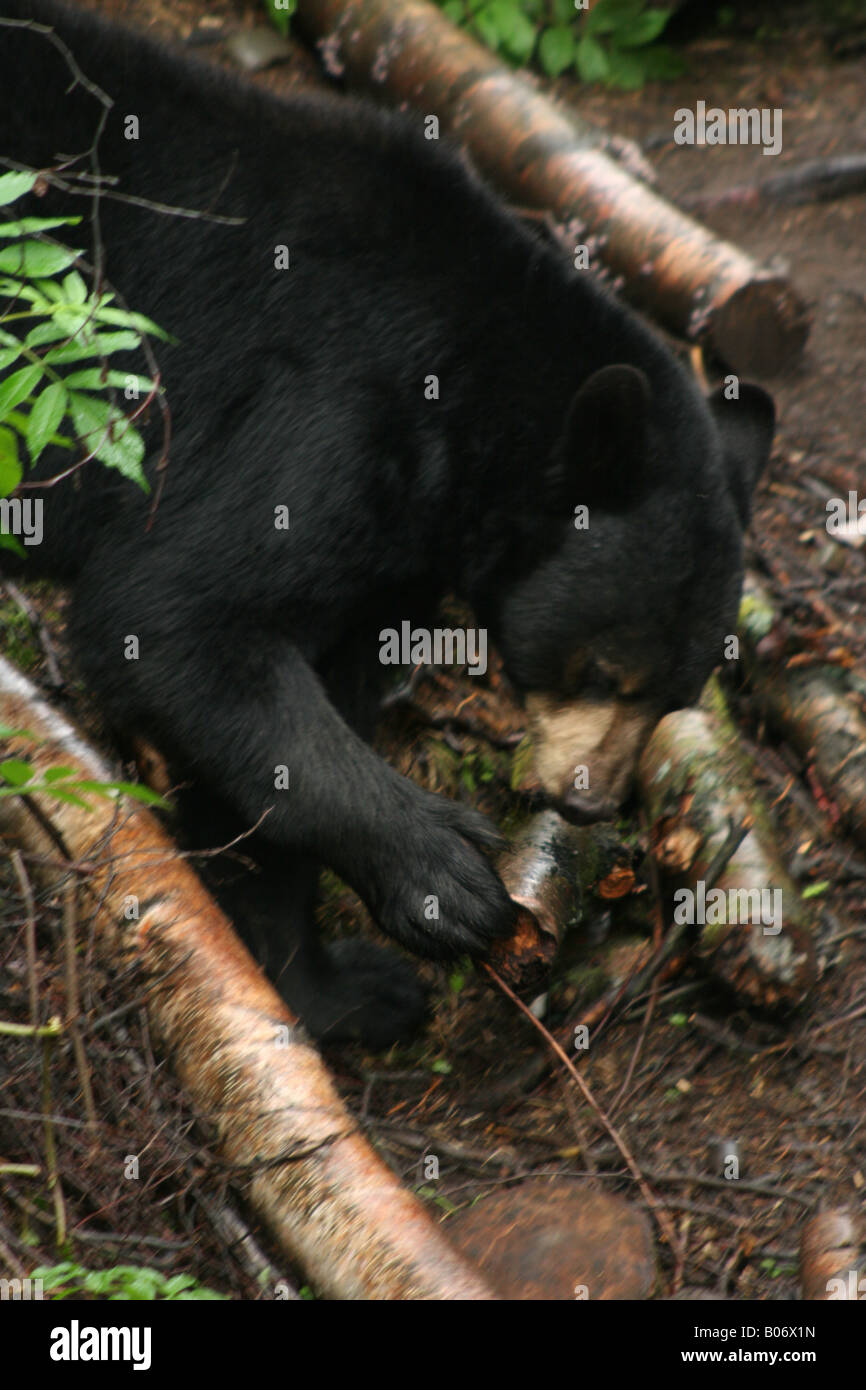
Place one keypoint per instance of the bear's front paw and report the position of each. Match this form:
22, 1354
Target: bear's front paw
440, 896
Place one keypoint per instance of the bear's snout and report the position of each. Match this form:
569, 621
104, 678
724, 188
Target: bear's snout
586, 752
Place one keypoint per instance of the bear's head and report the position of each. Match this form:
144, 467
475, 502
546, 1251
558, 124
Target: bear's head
635, 600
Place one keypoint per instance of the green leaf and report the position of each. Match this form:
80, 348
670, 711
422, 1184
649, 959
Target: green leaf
47, 412
16, 772
25, 226
67, 797
643, 29
49, 331
10, 466
518, 36
177, 1284
281, 14
51, 290
139, 792
626, 70
486, 26
100, 345
453, 10
556, 50
814, 890
96, 379
107, 433
14, 289
8, 731
124, 319
563, 12
611, 16
18, 387
591, 60
57, 774
36, 258
12, 543
98, 1280
14, 186
8, 355
75, 288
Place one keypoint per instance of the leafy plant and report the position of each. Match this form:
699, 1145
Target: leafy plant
615, 42
281, 12
20, 778
52, 320
123, 1283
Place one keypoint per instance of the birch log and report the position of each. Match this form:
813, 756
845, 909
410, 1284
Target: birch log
755, 937
328, 1201
539, 156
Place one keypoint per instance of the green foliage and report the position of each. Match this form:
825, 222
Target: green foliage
615, 42
814, 890
51, 318
123, 1283
281, 12
19, 778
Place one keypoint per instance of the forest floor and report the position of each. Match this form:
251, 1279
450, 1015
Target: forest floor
473, 1093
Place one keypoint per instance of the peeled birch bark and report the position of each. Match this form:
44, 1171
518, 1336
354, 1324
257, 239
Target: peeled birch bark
696, 787
540, 156
243, 1059
539, 870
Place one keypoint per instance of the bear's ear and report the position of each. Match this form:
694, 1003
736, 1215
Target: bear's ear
604, 438
745, 428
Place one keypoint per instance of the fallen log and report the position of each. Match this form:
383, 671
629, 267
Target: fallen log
540, 873
833, 1257
242, 1058
539, 156
752, 928
815, 707
549, 869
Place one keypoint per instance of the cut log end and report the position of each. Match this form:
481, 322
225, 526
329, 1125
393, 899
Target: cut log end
761, 328
524, 960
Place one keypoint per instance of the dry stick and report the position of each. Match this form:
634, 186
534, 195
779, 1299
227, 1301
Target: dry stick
29, 933
815, 181
73, 1009
53, 1173
638, 1047
661, 967
28, 1030
240, 1242
538, 154
638, 981
658, 941
665, 1226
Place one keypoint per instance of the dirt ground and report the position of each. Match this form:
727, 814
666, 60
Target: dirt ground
677, 1072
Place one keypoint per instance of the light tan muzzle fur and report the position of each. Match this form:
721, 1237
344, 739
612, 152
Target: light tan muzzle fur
605, 737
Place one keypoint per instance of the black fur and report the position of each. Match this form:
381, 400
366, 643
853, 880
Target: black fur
259, 647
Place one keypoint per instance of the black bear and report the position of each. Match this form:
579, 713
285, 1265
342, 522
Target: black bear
432, 392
